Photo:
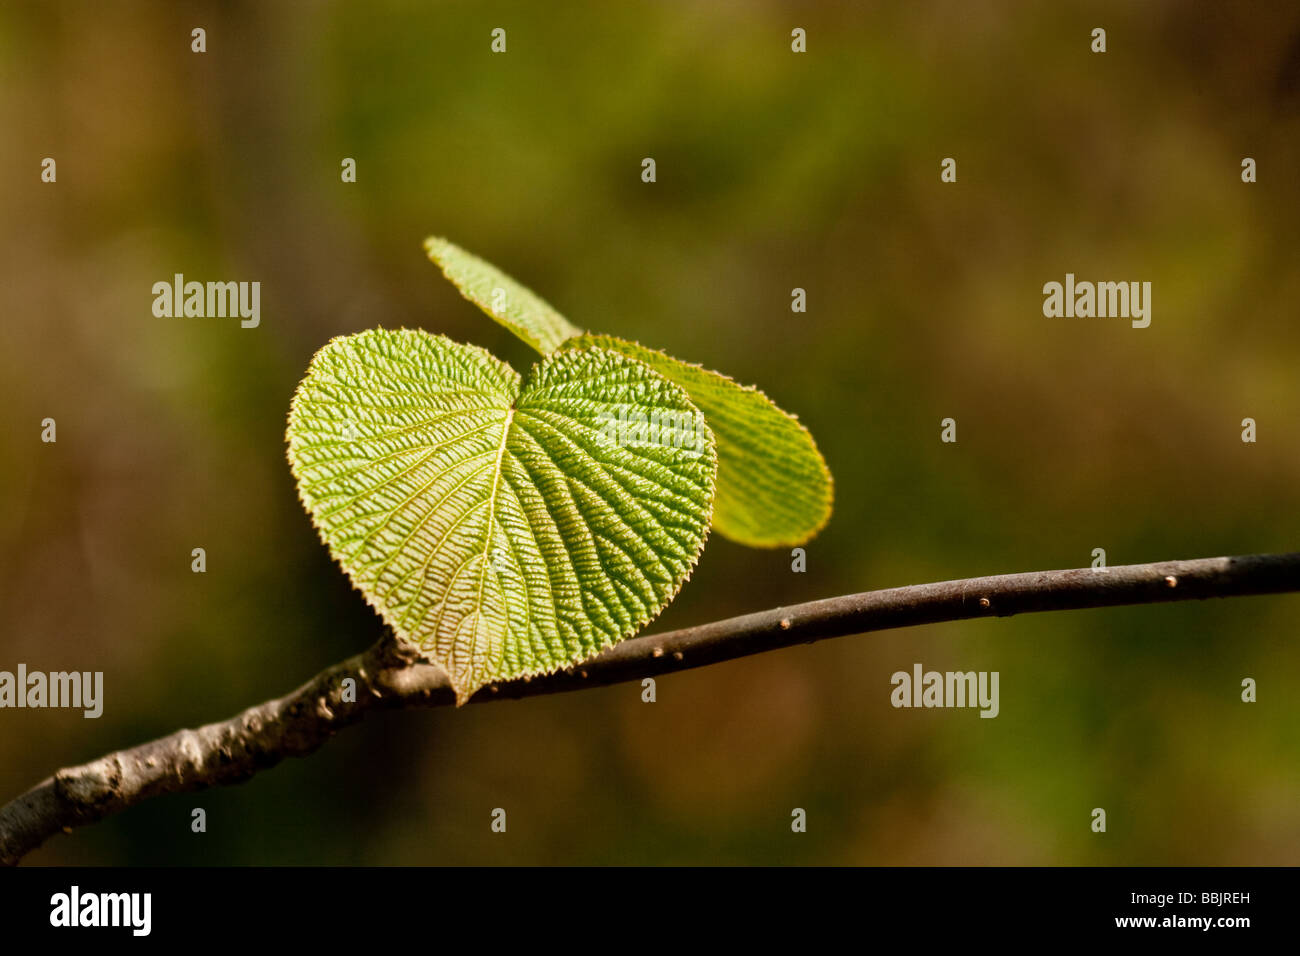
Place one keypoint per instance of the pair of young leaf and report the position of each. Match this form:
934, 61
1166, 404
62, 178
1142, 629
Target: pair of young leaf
511, 529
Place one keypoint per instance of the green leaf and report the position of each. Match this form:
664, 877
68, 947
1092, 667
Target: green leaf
774, 488
520, 310
506, 530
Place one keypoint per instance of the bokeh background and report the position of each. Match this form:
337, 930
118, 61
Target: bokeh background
775, 170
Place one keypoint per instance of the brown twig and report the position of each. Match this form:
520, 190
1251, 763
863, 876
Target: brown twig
389, 675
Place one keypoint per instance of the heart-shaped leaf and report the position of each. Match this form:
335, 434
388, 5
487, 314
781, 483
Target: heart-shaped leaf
505, 530
774, 488
517, 308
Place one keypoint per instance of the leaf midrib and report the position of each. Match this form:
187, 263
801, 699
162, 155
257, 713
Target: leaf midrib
491, 521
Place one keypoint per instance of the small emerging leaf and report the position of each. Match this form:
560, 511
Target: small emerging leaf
774, 488
520, 310
504, 529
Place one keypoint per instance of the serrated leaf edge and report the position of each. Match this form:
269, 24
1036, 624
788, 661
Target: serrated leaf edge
463, 697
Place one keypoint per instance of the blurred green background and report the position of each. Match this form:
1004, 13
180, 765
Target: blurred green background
775, 170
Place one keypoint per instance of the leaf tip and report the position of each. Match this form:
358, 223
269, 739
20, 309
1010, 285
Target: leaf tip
435, 246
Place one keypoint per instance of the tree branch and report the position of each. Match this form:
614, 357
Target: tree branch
389, 675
